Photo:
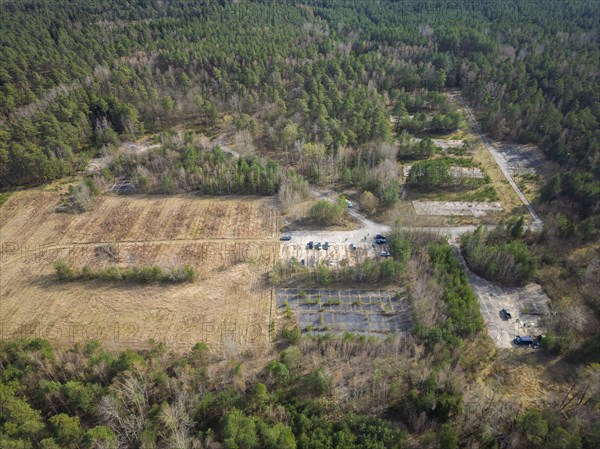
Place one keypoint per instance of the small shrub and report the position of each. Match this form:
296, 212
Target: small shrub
564, 226
110, 274
87, 273
79, 199
318, 382
279, 371
64, 271
587, 229
548, 259
292, 336
553, 344
179, 275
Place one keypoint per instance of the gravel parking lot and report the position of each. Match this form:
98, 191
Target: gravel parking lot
339, 243
526, 305
339, 249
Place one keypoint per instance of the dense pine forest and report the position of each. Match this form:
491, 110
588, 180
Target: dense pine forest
77, 77
318, 93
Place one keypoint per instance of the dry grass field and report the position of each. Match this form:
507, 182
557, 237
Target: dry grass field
231, 242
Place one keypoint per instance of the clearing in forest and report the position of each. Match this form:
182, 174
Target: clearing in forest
230, 242
527, 305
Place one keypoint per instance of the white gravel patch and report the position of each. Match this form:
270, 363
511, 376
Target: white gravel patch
445, 144
476, 209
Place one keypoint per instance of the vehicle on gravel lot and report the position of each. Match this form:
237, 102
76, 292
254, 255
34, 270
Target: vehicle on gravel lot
286, 237
326, 246
527, 341
310, 245
380, 240
385, 253
506, 314
352, 246
349, 204
318, 245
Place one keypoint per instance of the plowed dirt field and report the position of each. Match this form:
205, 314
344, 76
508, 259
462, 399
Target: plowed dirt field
232, 243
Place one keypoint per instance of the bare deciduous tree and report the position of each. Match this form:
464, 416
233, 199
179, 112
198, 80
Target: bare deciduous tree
125, 409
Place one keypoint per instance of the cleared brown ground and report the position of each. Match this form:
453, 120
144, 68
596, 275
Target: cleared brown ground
231, 242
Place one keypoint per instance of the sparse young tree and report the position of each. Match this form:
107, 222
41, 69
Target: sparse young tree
369, 202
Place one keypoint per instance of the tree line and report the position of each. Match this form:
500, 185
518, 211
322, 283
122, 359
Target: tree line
142, 274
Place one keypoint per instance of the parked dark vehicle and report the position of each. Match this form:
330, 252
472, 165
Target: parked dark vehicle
286, 237
318, 245
506, 314
326, 246
526, 341
381, 240
310, 245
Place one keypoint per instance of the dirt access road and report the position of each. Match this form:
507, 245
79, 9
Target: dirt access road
142, 146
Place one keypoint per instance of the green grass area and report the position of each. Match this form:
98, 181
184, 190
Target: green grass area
4, 196
460, 161
483, 193
486, 193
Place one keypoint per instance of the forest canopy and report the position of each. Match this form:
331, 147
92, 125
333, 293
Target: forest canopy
77, 77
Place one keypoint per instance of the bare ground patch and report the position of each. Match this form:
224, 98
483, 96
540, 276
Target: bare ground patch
521, 159
527, 306
476, 209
